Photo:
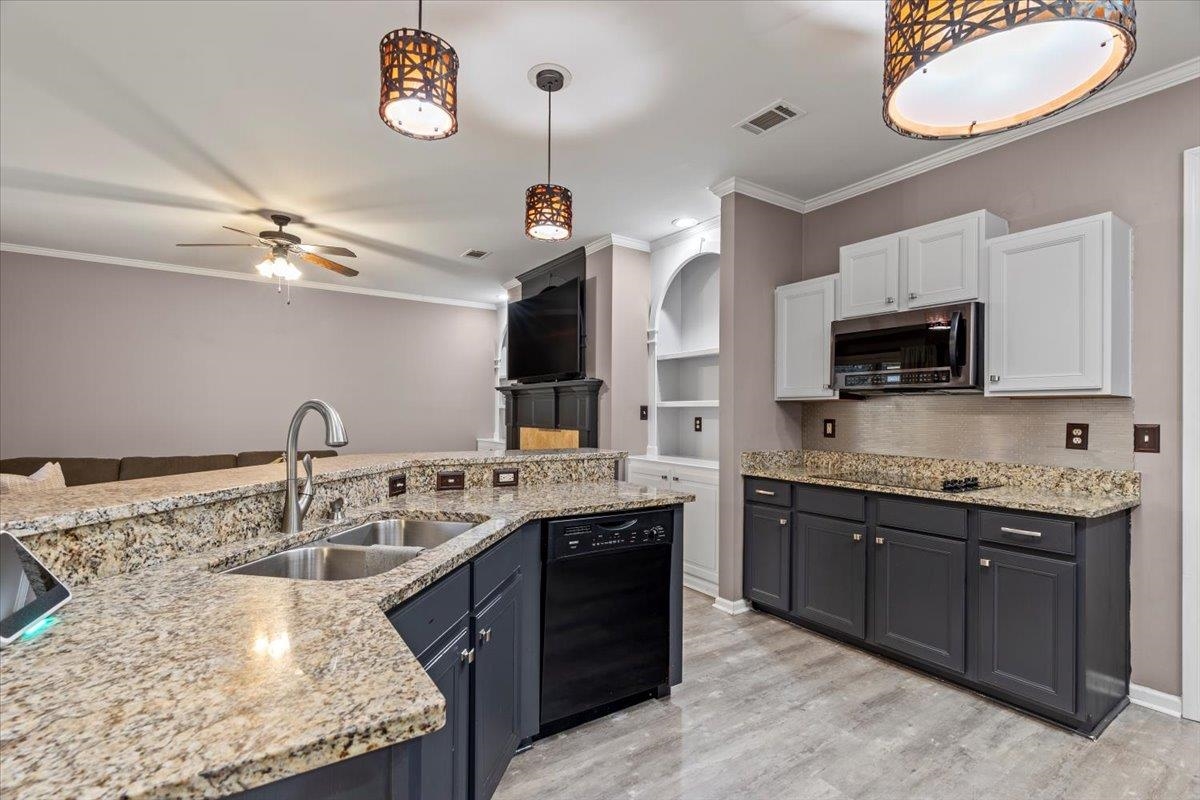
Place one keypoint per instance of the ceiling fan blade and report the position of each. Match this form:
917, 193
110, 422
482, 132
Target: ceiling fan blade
321, 261
327, 249
222, 244
244, 233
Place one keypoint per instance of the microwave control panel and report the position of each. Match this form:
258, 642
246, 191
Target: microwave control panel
915, 377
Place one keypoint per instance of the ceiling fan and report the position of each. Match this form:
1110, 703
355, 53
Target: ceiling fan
280, 245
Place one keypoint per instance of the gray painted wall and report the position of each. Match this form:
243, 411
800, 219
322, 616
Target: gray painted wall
102, 360
1129, 160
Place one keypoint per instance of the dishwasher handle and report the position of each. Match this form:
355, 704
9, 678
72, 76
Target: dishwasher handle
619, 526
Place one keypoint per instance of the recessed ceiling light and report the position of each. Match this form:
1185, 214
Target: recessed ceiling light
684, 222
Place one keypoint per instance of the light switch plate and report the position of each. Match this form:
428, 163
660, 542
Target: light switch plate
1077, 436
644, 412
830, 428
1146, 438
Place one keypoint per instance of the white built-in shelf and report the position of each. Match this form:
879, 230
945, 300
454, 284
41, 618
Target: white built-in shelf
688, 404
700, 353
683, 461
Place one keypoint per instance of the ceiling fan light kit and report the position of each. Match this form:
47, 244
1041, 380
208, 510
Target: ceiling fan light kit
548, 212
954, 69
418, 79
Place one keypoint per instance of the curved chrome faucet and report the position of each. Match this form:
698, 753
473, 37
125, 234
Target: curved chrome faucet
299, 498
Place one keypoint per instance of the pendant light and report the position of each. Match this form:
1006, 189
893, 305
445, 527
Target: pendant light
954, 69
548, 206
418, 77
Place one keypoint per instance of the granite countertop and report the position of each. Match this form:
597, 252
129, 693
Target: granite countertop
177, 681
1023, 498
75, 506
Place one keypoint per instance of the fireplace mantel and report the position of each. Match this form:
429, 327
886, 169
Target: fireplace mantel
562, 405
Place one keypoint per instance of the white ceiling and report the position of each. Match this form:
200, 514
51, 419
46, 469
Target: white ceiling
127, 127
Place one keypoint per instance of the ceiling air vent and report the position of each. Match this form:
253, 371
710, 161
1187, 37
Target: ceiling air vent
475, 254
770, 118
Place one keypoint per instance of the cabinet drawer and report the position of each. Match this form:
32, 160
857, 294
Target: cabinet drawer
1036, 533
776, 493
424, 619
923, 517
494, 567
831, 502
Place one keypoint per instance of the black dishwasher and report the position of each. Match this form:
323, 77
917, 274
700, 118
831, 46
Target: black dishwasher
605, 614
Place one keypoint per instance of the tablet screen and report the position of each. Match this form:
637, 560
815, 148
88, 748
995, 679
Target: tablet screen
28, 591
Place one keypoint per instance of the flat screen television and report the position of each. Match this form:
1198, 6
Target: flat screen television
545, 335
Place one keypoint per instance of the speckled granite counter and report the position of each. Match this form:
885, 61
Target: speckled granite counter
1071, 492
176, 681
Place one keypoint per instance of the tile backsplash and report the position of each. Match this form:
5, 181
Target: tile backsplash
1019, 430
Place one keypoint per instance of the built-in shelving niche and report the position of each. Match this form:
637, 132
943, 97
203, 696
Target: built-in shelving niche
687, 358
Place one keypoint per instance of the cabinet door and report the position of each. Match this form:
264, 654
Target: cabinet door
699, 524
803, 313
497, 680
942, 262
1045, 316
645, 473
829, 573
768, 547
869, 276
1027, 626
442, 755
920, 596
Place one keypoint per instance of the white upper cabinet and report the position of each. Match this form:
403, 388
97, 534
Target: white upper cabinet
804, 312
1058, 320
946, 262
943, 262
870, 276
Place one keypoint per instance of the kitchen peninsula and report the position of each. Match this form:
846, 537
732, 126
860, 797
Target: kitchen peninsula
165, 677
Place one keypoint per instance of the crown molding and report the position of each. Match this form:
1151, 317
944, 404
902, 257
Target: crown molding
758, 192
616, 240
1110, 97
508, 286
206, 272
708, 225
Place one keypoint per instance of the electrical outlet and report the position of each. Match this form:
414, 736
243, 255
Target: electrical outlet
1146, 438
397, 484
698, 424
1077, 436
505, 476
830, 428
644, 412
450, 479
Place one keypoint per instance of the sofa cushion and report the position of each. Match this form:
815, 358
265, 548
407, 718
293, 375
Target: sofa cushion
134, 467
76, 471
256, 458
49, 477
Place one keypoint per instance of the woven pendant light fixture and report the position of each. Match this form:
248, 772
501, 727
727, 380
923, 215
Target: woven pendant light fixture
954, 69
547, 205
418, 82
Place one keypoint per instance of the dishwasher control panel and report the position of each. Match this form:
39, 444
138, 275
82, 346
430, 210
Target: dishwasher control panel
594, 535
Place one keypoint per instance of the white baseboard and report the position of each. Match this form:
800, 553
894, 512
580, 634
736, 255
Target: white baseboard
731, 607
1156, 700
700, 584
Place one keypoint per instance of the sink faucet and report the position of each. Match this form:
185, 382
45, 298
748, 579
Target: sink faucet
299, 498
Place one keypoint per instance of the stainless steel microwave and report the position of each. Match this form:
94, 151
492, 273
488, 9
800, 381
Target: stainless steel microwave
927, 349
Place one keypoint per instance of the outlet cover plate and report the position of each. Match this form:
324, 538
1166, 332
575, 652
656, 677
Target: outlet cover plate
1147, 438
505, 476
397, 484
698, 424
1077, 436
451, 479
829, 428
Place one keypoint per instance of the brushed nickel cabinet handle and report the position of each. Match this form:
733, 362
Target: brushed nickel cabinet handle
878, 540
889, 300
674, 477
1019, 532
764, 492
467, 656
994, 378
857, 537
912, 295
985, 562
664, 477
485, 635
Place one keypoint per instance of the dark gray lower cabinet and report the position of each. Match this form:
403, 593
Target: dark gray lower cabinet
497, 722
829, 572
920, 596
768, 556
1027, 626
443, 768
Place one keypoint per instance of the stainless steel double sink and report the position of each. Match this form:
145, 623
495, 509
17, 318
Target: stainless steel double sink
371, 548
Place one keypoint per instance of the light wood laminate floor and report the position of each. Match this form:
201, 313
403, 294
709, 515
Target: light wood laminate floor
768, 710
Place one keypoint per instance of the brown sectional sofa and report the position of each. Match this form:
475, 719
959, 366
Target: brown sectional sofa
81, 471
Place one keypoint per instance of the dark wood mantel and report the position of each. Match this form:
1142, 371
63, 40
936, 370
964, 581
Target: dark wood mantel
561, 405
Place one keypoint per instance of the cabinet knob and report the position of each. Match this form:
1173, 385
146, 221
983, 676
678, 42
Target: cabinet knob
856, 537
826, 386
985, 562
783, 520
889, 300
912, 295
467, 656
664, 477
485, 635
674, 477
878, 540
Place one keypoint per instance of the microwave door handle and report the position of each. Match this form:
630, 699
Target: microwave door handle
955, 324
